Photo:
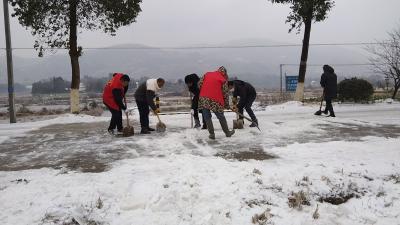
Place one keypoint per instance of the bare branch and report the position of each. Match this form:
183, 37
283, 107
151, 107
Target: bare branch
386, 58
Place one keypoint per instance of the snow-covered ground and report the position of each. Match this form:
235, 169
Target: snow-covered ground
70, 171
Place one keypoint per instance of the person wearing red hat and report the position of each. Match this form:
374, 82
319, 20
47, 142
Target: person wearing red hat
113, 96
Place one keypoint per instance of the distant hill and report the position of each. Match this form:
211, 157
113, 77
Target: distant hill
257, 65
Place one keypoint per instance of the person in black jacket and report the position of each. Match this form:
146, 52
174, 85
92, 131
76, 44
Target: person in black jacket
192, 81
329, 83
247, 95
144, 96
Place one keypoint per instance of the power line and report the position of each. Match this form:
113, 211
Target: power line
340, 64
209, 47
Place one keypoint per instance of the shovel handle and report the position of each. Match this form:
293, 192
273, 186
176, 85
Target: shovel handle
158, 117
126, 113
127, 119
239, 114
250, 120
322, 100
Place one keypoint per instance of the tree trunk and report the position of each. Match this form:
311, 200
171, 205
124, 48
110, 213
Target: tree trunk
299, 96
74, 55
396, 89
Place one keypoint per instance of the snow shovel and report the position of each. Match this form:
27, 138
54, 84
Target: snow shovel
238, 123
319, 112
128, 130
247, 118
160, 127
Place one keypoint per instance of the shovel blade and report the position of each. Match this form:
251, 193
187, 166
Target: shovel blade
161, 127
128, 131
318, 113
238, 124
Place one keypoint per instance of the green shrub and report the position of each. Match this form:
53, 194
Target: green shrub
355, 89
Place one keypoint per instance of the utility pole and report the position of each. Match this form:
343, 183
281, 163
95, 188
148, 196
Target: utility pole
281, 68
11, 97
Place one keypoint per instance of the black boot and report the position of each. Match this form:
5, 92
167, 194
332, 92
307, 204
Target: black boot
331, 115
224, 125
210, 128
197, 123
331, 112
204, 126
144, 131
254, 123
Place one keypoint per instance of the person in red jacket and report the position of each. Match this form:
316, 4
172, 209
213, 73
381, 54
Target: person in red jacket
113, 96
214, 97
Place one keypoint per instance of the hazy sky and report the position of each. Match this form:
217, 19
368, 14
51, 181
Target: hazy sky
192, 22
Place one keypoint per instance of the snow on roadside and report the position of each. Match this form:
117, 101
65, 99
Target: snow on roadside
195, 187
189, 189
19, 129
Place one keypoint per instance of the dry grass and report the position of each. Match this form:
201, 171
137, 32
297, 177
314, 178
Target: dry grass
394, 177
341, 193
297, 199
263, 218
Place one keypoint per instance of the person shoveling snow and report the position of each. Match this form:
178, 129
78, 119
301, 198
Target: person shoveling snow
144, 97
247, 95
192, 82
113, 95
214, 97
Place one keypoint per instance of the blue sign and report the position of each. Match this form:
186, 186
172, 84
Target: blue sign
291, 83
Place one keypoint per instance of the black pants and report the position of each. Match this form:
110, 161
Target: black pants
144, 111
195, 107
248, 103
196, 115
329, 107
116, 119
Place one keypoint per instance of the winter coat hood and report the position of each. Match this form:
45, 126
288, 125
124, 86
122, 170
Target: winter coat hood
192, 78
328, 69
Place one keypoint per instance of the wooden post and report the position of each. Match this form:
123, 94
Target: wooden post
10, 74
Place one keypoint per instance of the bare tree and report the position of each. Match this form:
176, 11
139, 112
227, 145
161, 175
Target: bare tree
386, 58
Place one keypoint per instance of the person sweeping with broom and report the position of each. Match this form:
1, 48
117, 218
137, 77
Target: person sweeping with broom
144, 96
214, 97
329, 83
113, 96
